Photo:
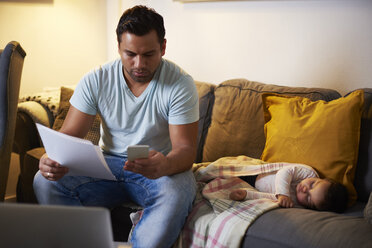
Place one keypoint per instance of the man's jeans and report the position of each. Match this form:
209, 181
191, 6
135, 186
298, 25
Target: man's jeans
166, 200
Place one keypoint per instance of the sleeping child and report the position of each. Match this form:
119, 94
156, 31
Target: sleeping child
298, 185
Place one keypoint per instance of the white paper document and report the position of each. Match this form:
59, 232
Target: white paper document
79, 155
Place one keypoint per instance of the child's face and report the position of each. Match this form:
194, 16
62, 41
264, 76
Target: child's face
310, 192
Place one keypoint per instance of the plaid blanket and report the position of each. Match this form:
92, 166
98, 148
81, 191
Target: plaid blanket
217, 221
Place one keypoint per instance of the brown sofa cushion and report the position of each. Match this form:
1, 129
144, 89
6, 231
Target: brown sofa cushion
64, 105
237, 125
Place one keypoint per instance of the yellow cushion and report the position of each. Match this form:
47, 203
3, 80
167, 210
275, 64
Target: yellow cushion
324, 135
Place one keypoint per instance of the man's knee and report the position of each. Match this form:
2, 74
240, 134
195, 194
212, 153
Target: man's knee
180, 191
41, 187
38, 183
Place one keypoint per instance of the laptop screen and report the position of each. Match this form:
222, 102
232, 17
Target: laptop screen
29, 225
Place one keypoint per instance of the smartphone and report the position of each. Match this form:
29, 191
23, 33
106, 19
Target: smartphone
137, 151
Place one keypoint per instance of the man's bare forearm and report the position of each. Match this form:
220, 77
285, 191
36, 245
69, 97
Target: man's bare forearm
180, 159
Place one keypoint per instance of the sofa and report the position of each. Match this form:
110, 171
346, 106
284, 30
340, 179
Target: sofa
234, 121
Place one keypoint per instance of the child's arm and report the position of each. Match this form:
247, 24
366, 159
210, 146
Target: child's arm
283, 180
243, 194
287, 175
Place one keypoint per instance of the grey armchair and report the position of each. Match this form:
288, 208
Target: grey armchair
11, 65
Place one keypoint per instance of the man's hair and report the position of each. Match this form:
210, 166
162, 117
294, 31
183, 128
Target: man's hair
140, 20
336, 198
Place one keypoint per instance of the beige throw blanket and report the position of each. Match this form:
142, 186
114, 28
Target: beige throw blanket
216, 221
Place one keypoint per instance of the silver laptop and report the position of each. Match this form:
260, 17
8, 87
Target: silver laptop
28, 225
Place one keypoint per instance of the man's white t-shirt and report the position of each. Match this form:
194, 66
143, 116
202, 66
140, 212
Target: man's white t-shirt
170, 98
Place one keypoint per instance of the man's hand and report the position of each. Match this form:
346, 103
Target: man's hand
76, 124
179, 159
155, 166
51, 169
285, 201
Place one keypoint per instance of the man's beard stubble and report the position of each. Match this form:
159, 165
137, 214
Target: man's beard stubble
144, 78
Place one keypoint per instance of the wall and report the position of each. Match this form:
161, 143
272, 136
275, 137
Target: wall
63, 39
300, 43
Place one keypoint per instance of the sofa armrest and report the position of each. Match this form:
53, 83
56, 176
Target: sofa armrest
37, 112
26, 135
25, 191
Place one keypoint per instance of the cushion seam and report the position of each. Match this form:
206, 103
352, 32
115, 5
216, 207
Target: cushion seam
285, 92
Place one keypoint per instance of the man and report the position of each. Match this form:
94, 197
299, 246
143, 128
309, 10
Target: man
142, 99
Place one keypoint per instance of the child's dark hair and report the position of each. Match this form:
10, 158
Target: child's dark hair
336, 198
